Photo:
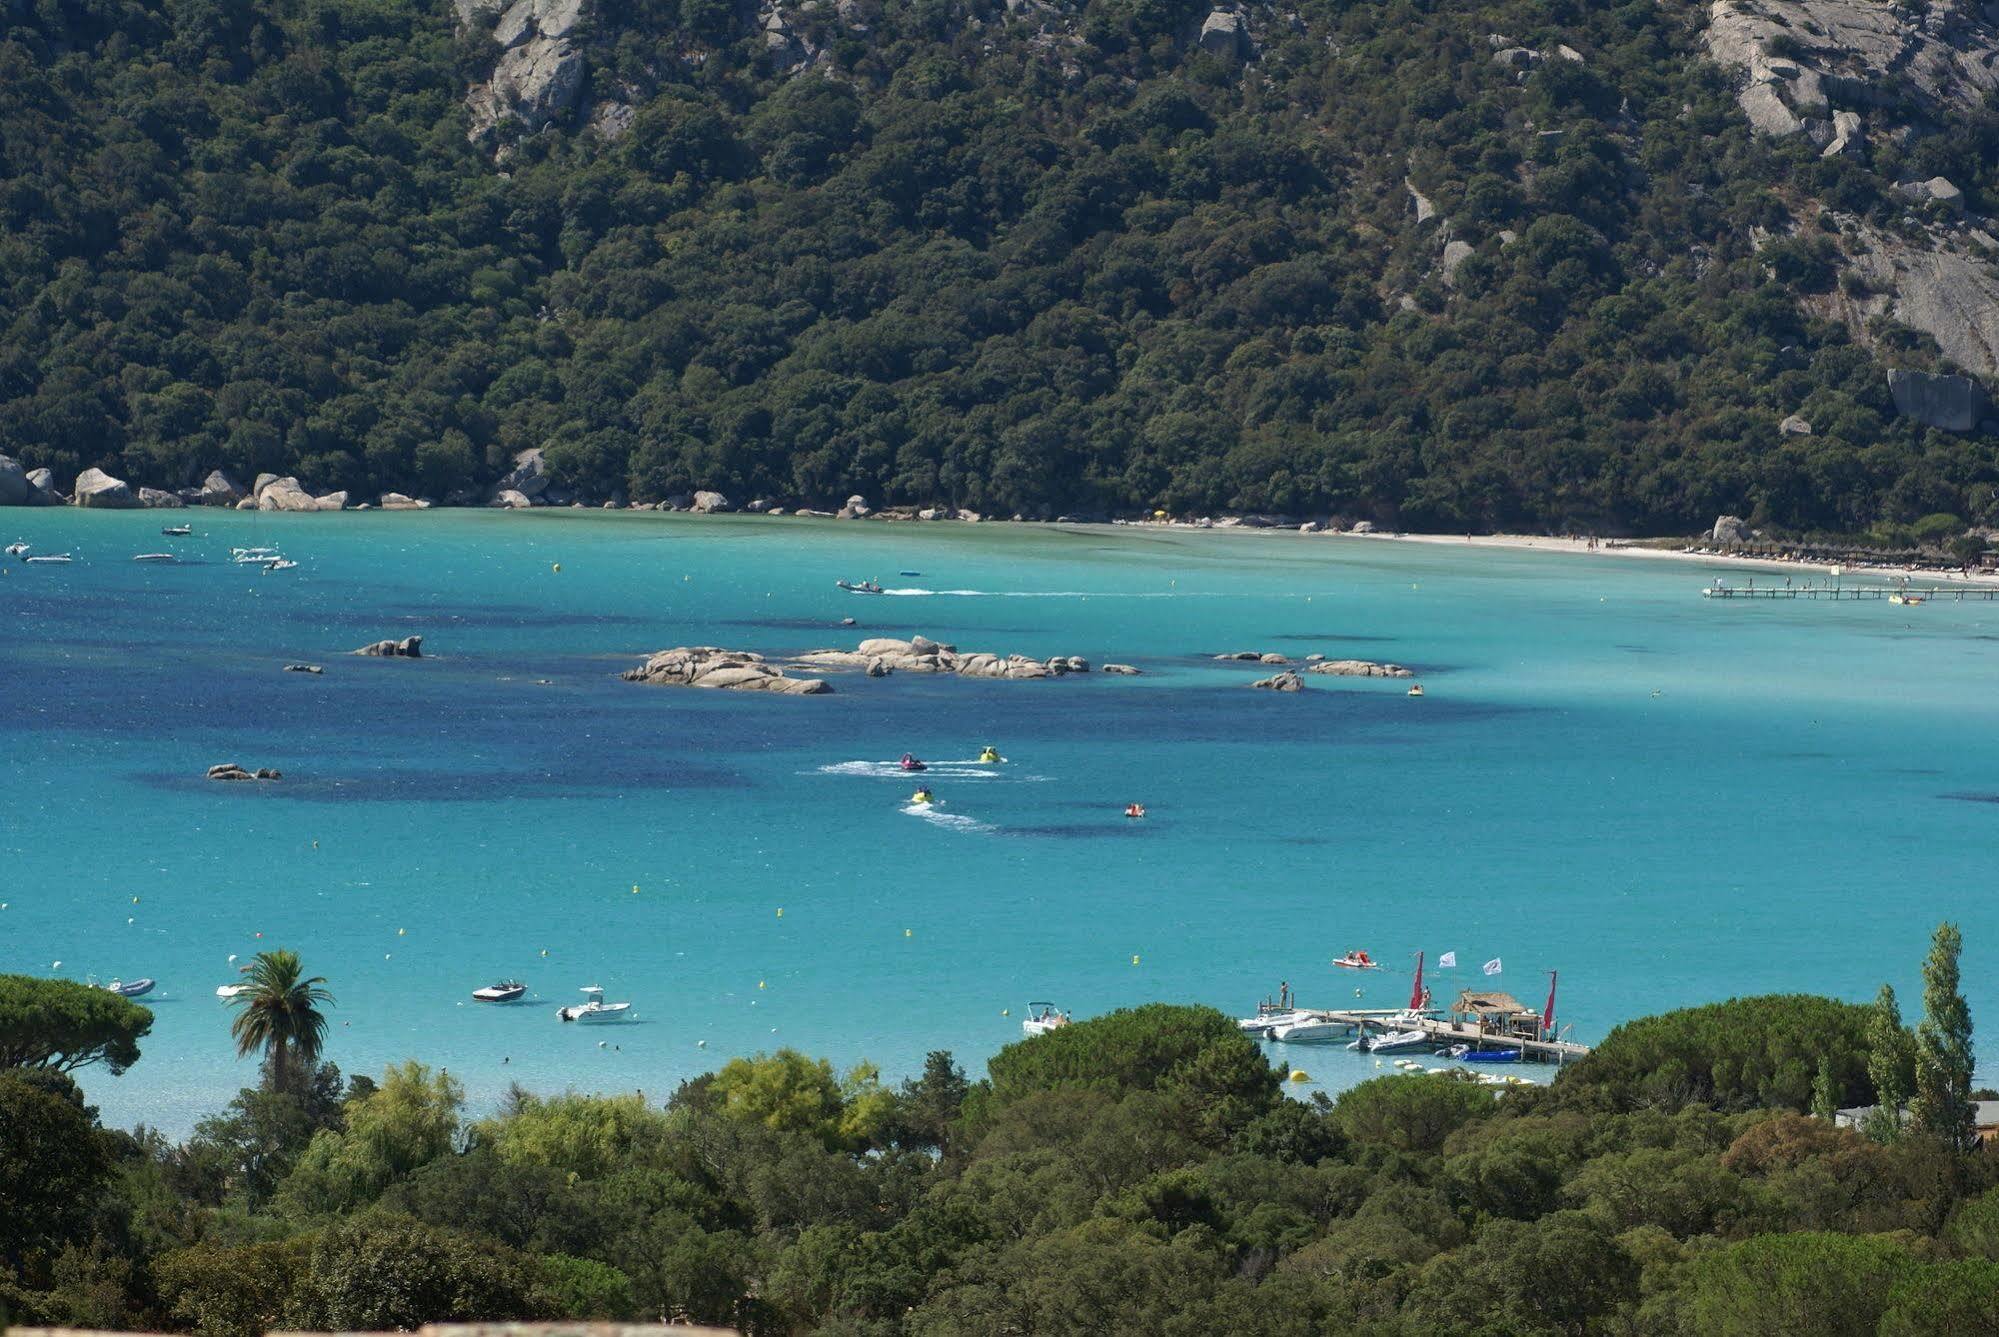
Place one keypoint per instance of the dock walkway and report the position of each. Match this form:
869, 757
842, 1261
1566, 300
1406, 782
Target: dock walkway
1928, 593
1444, 1031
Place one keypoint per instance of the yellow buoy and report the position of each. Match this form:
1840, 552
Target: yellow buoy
544, 951
135, 900
760, 984
555, 567
908, 933
1006, 1012
780, 912
1134, 958
635, 888
401, 931
1300, 1075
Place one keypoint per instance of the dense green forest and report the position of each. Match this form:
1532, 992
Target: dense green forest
962, 262
1140, 1172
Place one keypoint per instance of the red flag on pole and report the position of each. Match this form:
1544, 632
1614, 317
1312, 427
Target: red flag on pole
1416, 990
1548, 1013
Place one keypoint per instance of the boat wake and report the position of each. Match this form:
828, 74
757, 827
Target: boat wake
950, 821
889, 770
918, 593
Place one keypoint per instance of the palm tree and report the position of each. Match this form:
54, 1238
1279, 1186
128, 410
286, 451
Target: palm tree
280, 1015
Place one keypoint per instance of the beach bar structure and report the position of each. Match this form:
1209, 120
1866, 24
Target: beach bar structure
1496, 1016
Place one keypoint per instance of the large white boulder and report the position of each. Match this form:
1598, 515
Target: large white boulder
98, 490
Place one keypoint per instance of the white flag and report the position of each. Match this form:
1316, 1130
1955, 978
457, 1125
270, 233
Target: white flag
1492, 966
1448, 961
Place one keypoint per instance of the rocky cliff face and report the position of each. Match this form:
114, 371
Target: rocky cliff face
538, 77
1847, 75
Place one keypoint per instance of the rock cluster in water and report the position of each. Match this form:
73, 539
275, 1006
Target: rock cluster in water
726, 670
880, 656
409, 647
229, 770
1360, 668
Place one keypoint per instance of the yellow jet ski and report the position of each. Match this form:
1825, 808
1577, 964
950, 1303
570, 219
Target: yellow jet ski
990, 757
922, 796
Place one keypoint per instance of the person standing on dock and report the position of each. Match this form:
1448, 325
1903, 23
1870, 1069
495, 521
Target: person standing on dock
1284, 995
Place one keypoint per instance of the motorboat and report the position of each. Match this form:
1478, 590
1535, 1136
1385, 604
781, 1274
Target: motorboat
1267, 1020
279, 564
252, 556
859, 586
1416, 689
156, 557
1309, 1029
177, 531
1356, 961
1466, 1054
129, 988
909, 573
506, 991
228, 991
1043, 1018
53, 558
1390, 1041
593, 1008
910, 762
17, 550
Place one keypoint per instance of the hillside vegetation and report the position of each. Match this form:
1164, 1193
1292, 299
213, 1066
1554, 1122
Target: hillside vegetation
1012, 258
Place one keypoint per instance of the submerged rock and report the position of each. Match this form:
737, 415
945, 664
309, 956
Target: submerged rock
409, 647
725, 670
304, 668
1122, 670
1287, 681
229, 770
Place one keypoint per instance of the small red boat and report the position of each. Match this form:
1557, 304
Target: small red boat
910, 763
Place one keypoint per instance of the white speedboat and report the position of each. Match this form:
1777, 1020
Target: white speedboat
54, 558
129, 988
1043, 1018
252, 556
506, 991
1311, 1030
177, 531
1390, 1041
1266, 1023
594, 1008
156, 557
228, 991
279, 564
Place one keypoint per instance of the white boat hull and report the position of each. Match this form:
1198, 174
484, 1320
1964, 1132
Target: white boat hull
1310, 1032
1395, 1040
594, 1012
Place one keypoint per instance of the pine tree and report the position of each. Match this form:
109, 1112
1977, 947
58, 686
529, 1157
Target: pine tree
1825, 1100
1887, 1062
1942, 1105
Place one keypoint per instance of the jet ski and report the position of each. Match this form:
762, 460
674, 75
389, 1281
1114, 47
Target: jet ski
922, 798
909, 762
990, 757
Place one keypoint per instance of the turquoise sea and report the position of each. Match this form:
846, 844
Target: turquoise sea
1669, 800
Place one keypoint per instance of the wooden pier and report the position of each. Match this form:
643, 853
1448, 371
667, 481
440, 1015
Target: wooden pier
1891, 593
1443, 1031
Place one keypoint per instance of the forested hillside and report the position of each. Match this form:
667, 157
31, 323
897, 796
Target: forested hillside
1457, 265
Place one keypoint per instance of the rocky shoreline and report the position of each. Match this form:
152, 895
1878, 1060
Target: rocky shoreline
529, 486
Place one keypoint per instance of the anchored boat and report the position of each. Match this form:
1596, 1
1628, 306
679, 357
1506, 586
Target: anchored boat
595, 1008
